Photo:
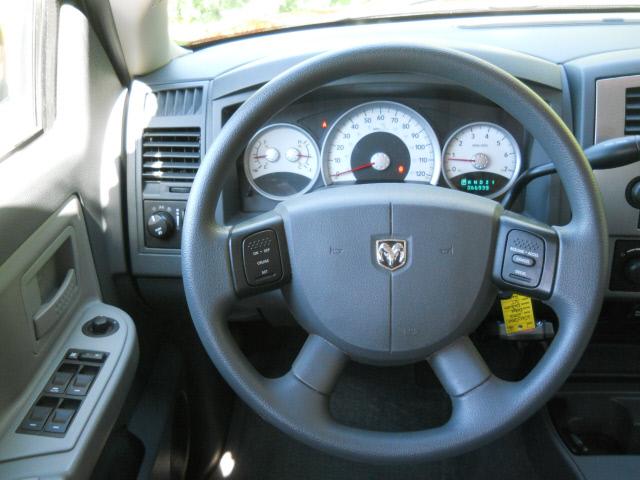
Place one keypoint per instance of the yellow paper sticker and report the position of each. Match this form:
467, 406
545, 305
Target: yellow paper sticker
518, 314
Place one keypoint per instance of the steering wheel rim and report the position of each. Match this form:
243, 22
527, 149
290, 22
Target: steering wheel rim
484, 407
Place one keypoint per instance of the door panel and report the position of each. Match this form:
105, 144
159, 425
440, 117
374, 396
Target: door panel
79, 152
61, 242
29, 287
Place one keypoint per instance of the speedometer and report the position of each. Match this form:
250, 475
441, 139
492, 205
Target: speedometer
381, 142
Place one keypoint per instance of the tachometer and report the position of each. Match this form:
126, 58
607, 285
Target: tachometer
381, 142
481, 158
281, 160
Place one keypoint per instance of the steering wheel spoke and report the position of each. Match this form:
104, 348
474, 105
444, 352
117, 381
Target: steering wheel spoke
304, 391
574, 269
459, 367
526, 256
319, 364
259, 255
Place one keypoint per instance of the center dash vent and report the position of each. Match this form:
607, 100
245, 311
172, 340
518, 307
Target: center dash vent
170, 155
632, 111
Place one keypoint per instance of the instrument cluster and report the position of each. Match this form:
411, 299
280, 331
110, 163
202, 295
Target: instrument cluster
382, 141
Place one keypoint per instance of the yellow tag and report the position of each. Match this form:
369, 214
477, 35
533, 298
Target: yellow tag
518, 314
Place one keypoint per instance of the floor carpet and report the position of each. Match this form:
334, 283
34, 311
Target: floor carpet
403, 398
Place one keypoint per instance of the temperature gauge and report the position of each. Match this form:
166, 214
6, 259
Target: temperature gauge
481, 158
281, 160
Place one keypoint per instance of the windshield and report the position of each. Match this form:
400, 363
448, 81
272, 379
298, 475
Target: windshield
200, 21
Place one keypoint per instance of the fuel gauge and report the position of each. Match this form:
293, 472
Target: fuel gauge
281, 160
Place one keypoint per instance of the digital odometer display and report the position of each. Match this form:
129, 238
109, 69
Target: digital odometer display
481, 183
381, 142
481, 158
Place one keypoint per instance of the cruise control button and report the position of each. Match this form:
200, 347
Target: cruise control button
520, 276
261, 257
522, 260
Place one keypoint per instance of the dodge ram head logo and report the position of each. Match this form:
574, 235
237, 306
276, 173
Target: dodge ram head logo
391, 254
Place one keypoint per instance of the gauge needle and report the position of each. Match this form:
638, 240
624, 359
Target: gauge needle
461, 160
361, 167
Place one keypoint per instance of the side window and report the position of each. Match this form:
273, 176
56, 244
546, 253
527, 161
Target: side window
20, 72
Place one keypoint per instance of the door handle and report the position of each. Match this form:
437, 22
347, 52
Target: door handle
50, 312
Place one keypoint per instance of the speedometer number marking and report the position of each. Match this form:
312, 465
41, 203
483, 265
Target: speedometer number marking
381, 141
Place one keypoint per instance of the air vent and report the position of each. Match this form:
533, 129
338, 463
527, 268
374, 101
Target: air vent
632, 111
170, 155
179, 101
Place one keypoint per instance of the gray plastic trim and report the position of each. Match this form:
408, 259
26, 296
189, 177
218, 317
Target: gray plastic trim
533, 41
73, 456
46, 315
145, 260
610, 106
606, 467
607, 73
27, 363
254, 74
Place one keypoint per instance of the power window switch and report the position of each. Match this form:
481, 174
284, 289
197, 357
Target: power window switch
58, 382
80, 385
36, 418
60, 420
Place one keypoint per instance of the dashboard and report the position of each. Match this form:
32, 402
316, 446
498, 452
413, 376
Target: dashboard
386, 127
446, 138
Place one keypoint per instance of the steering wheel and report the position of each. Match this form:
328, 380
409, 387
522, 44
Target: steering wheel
454, 253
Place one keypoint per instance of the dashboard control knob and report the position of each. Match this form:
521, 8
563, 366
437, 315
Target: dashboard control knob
632, 270
633, 193
100, 326
161, 225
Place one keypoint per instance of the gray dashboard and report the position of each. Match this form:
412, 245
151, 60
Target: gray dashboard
562, 57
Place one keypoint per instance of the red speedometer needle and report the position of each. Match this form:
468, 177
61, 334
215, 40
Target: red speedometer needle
361, 167
461, 160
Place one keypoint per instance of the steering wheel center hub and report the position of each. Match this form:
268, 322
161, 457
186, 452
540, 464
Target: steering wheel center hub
390, 272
